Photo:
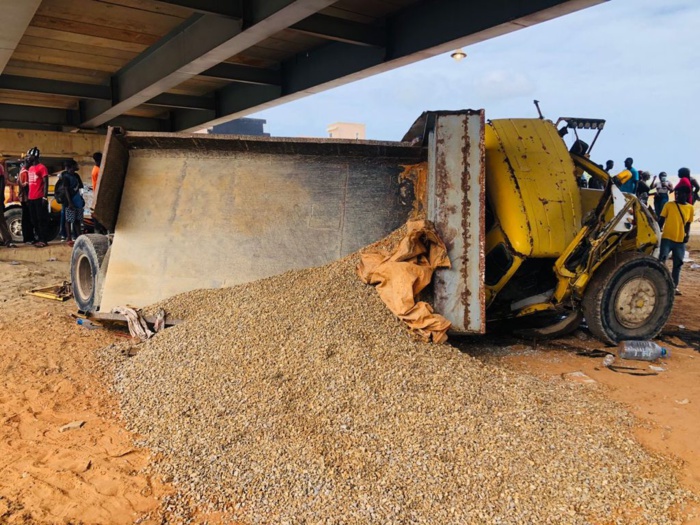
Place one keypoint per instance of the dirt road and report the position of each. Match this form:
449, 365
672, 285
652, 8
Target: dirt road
95, 474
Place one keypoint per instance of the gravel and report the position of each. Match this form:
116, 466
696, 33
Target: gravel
302, 399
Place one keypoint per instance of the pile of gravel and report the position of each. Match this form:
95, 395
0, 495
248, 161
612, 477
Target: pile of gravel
301, 399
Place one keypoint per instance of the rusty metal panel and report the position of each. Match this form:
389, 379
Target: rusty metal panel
107, 196
226, 212
456, 205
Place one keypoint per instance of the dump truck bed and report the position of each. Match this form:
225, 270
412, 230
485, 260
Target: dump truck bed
205, 211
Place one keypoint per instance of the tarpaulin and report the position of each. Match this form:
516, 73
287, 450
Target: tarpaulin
400, 276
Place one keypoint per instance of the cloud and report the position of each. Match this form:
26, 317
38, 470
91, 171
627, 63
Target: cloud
503, 85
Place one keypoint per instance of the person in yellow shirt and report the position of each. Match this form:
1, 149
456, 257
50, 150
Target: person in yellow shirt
675, 221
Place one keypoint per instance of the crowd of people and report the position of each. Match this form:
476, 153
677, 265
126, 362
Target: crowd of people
674, 216
33, 185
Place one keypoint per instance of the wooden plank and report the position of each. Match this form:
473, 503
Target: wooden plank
153, 7
54, 72
45, 42
373, 8
37, 100
348, 15
61, 58
122, 35
87, 40
52, 143
92, 12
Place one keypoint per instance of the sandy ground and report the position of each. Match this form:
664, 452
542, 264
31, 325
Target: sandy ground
95, 473
89, 474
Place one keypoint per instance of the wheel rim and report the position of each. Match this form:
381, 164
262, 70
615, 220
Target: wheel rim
635, 302
15, 227
84, 282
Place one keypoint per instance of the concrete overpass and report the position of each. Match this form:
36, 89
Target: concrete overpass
181, 65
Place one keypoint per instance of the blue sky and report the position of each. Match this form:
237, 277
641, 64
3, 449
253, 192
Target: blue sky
635, 63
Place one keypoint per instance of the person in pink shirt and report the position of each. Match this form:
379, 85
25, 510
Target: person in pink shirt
38, 177
685, 183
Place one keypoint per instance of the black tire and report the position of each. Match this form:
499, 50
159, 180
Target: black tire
53, 227
13, 216
630, 297
86, 263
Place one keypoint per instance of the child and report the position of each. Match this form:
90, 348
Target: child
675, 223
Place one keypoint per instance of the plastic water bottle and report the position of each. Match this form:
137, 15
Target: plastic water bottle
608, 360
86, 323
641, 350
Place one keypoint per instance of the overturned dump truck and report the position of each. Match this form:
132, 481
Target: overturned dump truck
525, 242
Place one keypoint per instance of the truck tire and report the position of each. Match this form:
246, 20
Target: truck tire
630, 297
87, 279
13, 216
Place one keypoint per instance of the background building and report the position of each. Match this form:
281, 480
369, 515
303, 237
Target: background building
241, 126
346, 130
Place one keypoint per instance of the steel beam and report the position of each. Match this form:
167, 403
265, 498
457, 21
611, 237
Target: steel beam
55, 87
55, 119
201, 43
415, 33
245, 74
332, 28
169, 100
16, 16
97, 92
38, 115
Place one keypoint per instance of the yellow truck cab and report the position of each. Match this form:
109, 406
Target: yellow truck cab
552, 246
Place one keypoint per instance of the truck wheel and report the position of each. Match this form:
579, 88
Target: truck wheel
629, 298
13, 216
86, 278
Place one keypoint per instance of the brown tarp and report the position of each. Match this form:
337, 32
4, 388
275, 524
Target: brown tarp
400, 276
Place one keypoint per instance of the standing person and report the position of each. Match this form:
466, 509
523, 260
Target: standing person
675, 222
662, 187
609, 164
62, 222
685, 184
74, 207
27, 225
97, 157
38, 190
629, 178
696, 188
643, 188
5, 236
